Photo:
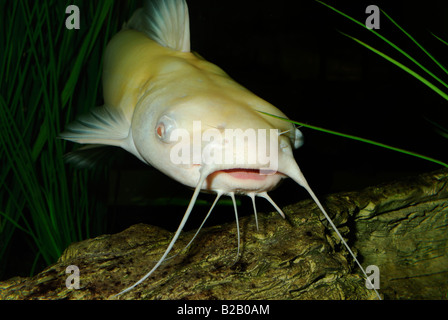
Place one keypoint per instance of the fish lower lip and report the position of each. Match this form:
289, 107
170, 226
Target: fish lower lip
248, 174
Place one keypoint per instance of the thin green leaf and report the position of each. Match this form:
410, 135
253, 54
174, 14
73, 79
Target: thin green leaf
416, 42
400, 65
388, 42
368, 141
440, 39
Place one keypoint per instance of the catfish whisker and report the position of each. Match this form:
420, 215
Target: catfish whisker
267, 197
232, 195
252, 196
204, 174
218, 196
283, 132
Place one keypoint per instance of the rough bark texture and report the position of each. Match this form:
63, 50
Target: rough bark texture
403, 229
400, 227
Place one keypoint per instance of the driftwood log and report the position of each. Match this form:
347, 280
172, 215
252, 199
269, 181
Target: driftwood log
400, 227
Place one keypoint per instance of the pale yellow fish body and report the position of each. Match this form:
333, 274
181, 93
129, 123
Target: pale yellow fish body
144, 80
135, 64
154, 88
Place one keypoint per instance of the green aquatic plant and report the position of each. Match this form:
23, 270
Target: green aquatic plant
442, 130
413, 73
360, 139
42, 64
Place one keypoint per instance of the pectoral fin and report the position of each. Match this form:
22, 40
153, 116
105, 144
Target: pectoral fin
102, 125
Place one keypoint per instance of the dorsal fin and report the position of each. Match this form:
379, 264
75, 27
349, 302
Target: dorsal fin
164, 21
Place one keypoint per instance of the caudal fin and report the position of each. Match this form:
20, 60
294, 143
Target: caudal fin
164, 21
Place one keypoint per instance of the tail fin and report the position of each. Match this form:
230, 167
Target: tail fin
164, 21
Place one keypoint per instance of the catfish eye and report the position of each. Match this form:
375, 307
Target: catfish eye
298, 138
164, 128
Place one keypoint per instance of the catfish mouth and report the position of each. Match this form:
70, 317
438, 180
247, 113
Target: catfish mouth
247, 174
243, 180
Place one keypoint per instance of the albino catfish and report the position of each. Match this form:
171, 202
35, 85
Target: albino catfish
186, 117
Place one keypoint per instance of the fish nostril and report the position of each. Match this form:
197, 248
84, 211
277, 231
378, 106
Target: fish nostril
221, 126
283, 144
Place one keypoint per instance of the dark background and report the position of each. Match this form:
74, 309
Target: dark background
291, 54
